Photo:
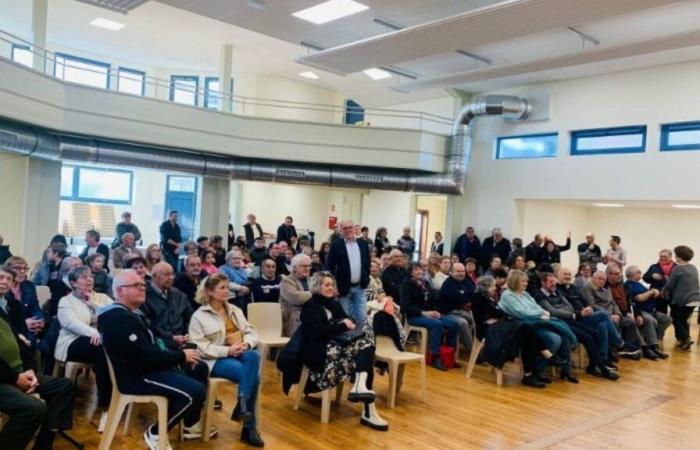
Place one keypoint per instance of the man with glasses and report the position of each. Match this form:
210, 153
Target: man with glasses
348, 261
141, 367
267, 287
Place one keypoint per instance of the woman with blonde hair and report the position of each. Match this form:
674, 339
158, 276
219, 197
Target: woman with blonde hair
153, 255
555, 333
227, 343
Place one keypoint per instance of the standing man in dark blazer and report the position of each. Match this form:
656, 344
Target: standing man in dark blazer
286, 232
348, 261
170, 239
92, 239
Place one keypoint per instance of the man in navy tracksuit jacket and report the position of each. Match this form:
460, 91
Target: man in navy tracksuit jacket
141, 367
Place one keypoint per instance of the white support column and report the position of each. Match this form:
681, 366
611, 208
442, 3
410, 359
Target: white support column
41, 206
225, 76
40, 13
214, 206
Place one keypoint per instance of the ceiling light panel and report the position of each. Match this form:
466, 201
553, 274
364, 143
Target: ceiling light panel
329, 11
377, 74
107, 24
686, 206
310, 75
609, 205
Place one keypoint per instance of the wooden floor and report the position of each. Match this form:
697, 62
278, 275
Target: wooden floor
654, 405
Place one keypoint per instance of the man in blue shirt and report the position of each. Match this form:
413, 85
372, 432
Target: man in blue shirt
651, 322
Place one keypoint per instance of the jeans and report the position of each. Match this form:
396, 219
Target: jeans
589, 338
608, 337
81, 350
355, 305
243, 370
28, 414
436, 329
185, 395
680, 316
555, 344
465, 320
654, 327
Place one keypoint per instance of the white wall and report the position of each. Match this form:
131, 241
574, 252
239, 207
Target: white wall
436, 206
393, 210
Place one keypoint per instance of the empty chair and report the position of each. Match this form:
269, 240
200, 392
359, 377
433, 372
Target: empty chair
397, 360
267, 320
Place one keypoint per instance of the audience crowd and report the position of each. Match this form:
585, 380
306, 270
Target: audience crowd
168, 316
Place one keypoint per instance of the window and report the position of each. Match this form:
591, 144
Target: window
680, 136
89, 184
183, 89
131, 81
609, 140
81, 70
22, 54
353, 112
530, 146
212, 93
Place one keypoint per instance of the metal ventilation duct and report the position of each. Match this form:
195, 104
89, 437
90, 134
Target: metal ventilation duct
120, 6
26, 140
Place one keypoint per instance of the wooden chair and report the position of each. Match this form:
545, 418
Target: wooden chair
386, 351
477, 346
212, 389
325, 395
267, 320
43, 294
118, 405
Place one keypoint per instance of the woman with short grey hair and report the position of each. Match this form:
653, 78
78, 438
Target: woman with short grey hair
294, 292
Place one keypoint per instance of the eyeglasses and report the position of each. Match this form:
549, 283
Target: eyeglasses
135, 285
20, 268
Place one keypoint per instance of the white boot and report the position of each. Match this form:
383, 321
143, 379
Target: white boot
359, 391
370, 418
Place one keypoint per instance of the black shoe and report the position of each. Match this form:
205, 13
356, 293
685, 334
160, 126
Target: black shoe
609, 374
614, 358
250, 436
648, 353
595, 371
533, 381
556, 361
236, 414
687, 344
245, 415
658, 352
457, 365
438, 364
631, 354
543, 378
566, 375
611, 365
218, 405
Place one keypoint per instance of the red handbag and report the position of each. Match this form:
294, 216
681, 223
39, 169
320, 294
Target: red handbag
447, 357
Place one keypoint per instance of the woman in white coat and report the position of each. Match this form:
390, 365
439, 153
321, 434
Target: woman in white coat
79, 340
226, 342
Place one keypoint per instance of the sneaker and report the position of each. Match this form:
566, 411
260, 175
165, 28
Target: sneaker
195, 431
103, 422
152, 440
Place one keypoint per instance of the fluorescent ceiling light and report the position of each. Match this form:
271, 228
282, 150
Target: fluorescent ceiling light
107, 24
377, 74
331, 10
310, 75
686, 206
609, 205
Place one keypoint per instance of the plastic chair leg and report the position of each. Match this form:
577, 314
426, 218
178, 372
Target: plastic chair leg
116, 409
325, 406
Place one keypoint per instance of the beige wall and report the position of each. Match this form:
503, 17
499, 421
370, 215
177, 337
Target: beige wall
436, 206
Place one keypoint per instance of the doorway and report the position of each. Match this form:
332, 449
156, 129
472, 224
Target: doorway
181, 196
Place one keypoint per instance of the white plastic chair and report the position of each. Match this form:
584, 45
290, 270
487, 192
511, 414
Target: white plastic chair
325, 395
386, 351
43, 295
267, 320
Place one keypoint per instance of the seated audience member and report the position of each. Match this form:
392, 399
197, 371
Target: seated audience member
438, 246
258, 252
433, 265
583, 275
495, 244
236, 273
294, 292
494, 264
141, 366
551, 300
500, 276
427, 277
384, 312
375, 288
517, 262
280, 259
616, 254
209, 261
443, 272
657, 275
190, 248
406, 243
455, 302
394, 275
418, 303
227, 343
127, 247
79, 339
47, 272
533, 251
682, 289
202, 246
467, 245
506, 339
188, 281
516, 248
599, 297
555, 334
62, 286
138, 265
316, 265
24, 291
102, 281
646, 329
609, 337
266, 288
124, 227
216, 243
93, 245
471, 268
19, 382
288, 255
153, 256
334, 350
589, 253
652, 323
364, 235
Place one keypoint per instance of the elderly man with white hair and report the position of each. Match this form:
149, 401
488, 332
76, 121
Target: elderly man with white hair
141, 367
128, 247
294, 292
495, 244
589, 252
651, 322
